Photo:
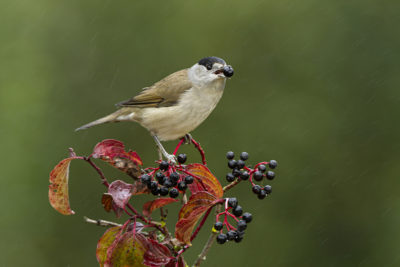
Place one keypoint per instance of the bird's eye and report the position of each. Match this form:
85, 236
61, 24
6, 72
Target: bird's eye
209, 67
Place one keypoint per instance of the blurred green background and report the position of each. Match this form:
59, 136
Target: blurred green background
316, 87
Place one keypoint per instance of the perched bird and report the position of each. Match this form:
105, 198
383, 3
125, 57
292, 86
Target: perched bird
176, 105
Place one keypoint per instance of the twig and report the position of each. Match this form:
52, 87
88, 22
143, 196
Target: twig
101, 222
208, 244
201, 224
200, 149
103, 178
229, 186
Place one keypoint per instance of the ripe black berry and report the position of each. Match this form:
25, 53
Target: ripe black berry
160, 177
155, 191
230, 178
242, 225
270, 175
182, 186
164, 165
152, 185
174, 177
244, 175
167, 183
182, 158
221, 238
273, 164
230, 155
228, 71
232, 164
241, 164
236, 172
218, 226
163, 191
233, 202
262, 194
189, 179
268, 189
262, 168
237, 211
247, 217
238, 238
145, 178
244, 156
256, 189
174, 193
258, 176
231, 234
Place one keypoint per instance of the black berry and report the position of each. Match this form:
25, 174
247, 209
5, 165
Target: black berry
236, 172
247, 217
164, 165
233, 202
273, 164
160, 177
145, 178
242, 225
270, 175
268, 189
189, 179
174, 177
152, 185
231, 235
237, 211
244, 175
230, 178
232, 164
173, 193
182, 186
262, 168
258, 176
256, 189
182, 158
244, 156
163, 191
262, 194
238, 238
241, 164
218, 226
230, 155
221, 238
167, 183
228, 71
155, 191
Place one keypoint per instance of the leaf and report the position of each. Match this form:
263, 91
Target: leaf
181, 263
156, 254
108, 204
105, 242
58, 188
150, 206
205, 178
191, 213
113, 152
121, 192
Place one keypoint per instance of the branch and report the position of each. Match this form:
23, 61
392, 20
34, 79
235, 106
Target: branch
100, 222
208, 244
229, 186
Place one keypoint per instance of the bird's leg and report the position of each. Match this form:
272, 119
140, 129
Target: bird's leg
188, 138
169, 157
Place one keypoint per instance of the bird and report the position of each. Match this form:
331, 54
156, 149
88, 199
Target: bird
176, 105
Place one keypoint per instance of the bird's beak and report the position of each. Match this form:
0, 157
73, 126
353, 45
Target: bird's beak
224, 72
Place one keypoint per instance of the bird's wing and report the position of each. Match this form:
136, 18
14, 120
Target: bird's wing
163, 93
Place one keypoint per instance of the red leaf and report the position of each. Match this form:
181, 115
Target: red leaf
121, 192
113, 152
204, 179
150, 206
181, 263
58, 188
156, 254
109, 204
191, 213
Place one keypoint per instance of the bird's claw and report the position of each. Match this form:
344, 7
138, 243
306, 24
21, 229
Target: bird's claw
171, 158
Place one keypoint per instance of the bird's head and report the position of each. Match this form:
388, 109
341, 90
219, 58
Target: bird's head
210, 69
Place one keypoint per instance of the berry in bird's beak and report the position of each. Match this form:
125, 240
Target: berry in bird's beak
228, 71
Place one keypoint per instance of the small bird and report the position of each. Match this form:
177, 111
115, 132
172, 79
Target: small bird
173, 107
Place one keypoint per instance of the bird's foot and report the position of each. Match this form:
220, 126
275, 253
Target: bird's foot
188, 139
170, 158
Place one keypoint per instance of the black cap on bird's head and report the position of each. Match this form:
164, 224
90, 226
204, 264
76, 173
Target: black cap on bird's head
208, 62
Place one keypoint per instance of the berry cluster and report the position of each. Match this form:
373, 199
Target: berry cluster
166, 179
242, 219
258, 173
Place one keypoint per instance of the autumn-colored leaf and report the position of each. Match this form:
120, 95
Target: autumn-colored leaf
156, 254
113, 152
204, 178
121, 192
191, 213
58, 188
139, 188
108, 204
181, 263
105, 242
150, 206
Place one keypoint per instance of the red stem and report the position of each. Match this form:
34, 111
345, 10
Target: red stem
200, 149
178, 146
201, 224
